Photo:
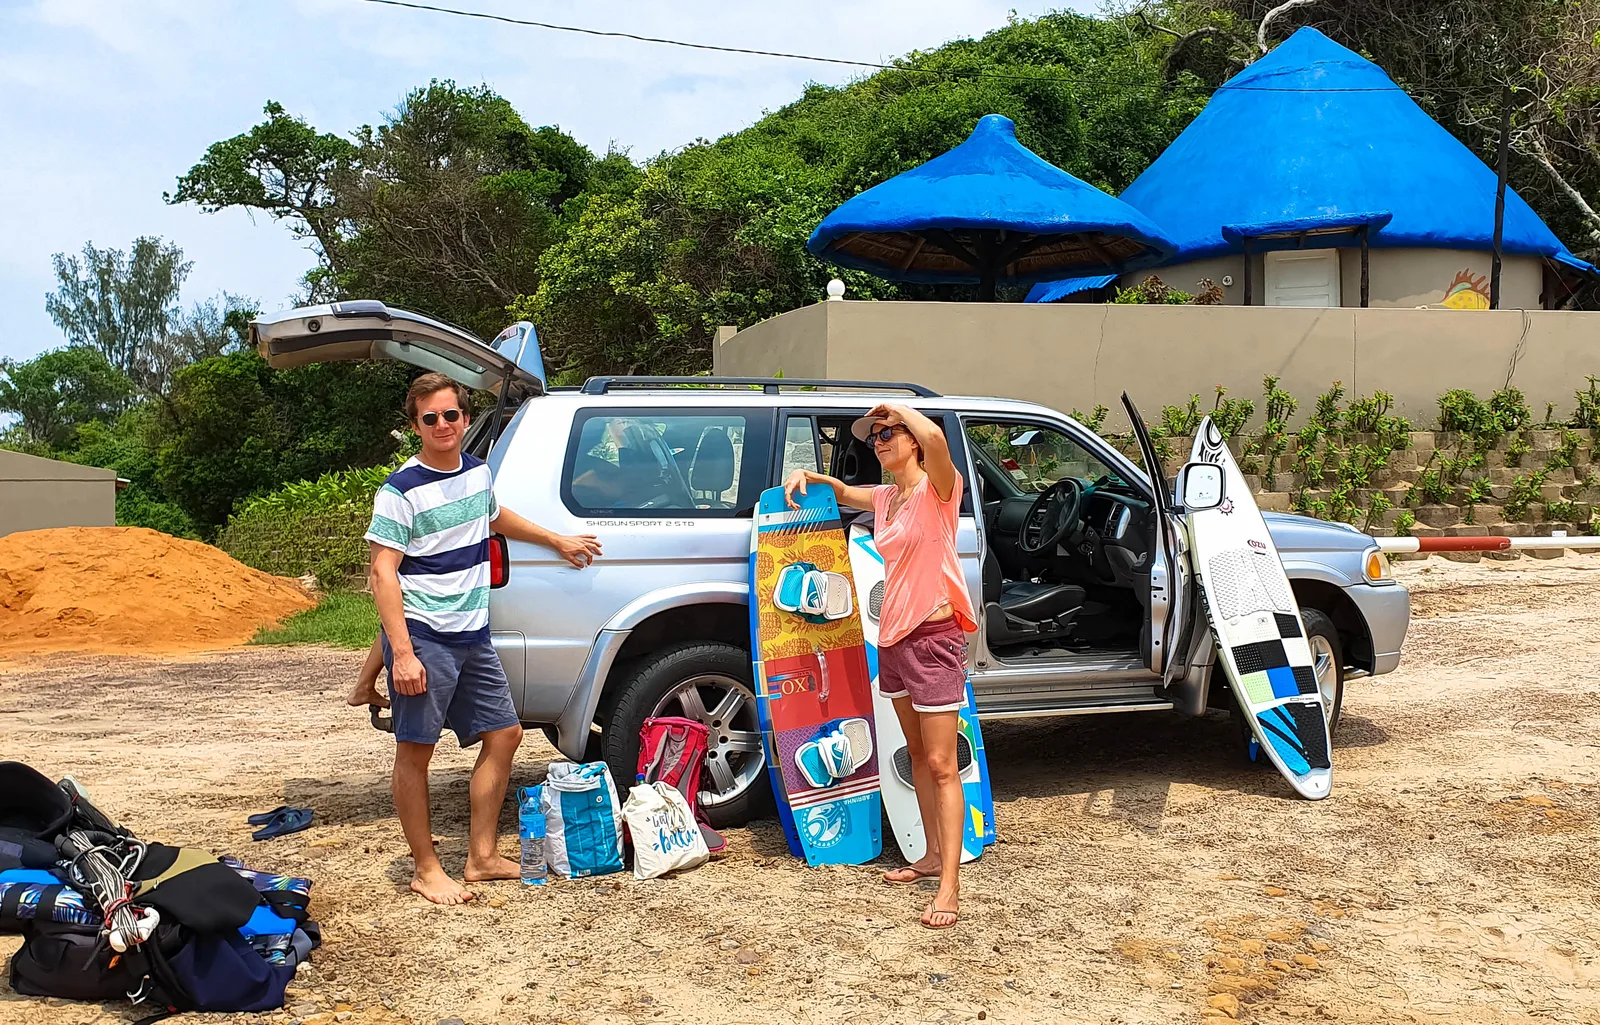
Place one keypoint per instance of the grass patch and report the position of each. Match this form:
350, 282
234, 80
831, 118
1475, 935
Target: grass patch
344, 619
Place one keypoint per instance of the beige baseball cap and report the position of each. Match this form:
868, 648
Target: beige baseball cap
863, 427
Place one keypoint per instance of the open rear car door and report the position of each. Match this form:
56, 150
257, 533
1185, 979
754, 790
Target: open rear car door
1169, 575
367, 329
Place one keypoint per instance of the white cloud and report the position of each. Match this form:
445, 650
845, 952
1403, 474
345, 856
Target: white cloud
104, 103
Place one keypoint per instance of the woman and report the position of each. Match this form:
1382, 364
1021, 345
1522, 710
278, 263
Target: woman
922, 660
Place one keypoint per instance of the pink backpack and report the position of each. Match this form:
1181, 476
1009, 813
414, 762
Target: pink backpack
672, 750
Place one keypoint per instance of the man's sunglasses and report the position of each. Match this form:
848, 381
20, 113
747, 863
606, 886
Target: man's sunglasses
431, 417
883, 434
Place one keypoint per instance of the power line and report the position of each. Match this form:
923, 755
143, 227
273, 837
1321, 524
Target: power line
1092, 83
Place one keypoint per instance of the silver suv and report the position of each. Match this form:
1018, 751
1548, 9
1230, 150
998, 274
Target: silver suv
1088, 604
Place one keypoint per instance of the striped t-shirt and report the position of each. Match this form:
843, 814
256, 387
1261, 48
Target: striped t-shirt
440, 520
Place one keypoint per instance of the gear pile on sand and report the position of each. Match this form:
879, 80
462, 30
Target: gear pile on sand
112, 590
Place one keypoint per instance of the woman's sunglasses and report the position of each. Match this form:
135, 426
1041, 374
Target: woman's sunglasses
883, 434
431, 417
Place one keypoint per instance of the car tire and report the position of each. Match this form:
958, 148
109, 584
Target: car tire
1323, 638
656, 679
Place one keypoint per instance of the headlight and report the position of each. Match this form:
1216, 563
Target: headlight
1375, 567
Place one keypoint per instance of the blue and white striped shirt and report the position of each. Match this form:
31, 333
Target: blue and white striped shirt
440, 520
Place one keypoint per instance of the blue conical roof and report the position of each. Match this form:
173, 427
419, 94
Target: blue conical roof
1315, 134
989, 183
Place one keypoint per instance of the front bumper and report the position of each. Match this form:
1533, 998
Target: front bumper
1387, 610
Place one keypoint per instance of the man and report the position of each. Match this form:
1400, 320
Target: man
430, 530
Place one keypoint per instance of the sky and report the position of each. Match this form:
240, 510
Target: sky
103, 103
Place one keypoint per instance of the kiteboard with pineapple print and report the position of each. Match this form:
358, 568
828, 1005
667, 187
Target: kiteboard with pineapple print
813, 689
1257, 625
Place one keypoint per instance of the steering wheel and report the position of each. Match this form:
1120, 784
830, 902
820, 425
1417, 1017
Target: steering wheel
1051, 516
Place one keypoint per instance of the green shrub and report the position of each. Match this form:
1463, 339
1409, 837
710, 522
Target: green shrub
1092, 420
341, 618
1561, 512
1566, 453
1516, 448
1524, 492
1587, 413
314, 527
1181, 421
1231, 415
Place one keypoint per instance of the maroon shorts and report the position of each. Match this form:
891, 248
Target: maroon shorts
927, 665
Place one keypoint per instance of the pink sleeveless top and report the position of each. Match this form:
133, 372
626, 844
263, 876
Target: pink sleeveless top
921, 569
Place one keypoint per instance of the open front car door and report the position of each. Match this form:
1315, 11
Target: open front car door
1169, 574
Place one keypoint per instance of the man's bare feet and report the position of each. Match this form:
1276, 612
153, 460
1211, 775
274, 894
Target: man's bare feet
438, 887
926, 867
366, 692
497, 868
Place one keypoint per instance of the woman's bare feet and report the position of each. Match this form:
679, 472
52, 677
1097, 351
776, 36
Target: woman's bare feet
438, 887
495, 868
366, 692
926, 867
943, 911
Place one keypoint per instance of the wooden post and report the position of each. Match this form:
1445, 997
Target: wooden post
1500, 196
1366, 293
1248, 298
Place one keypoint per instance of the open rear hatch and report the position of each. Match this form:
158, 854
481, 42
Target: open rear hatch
368, 329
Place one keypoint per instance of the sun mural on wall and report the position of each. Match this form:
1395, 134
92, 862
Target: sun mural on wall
1467, 292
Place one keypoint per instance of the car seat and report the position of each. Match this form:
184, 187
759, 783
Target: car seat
1021, 611
712, 471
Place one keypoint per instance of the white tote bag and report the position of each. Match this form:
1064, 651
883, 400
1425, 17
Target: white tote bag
665, 836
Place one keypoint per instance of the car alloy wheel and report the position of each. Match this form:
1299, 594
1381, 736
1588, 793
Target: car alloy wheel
735, 758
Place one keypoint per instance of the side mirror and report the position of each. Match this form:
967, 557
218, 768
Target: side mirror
1200, 486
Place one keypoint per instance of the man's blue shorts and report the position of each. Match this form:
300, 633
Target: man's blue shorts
466, 689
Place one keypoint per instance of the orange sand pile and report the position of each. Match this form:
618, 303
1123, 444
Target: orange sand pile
127, 589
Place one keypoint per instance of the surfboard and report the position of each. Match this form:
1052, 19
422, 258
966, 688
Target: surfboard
899, 796
813, 687
1257, 624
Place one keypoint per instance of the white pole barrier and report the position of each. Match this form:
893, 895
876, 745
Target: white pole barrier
1402, 545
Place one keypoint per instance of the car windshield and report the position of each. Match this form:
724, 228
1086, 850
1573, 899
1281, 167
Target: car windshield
1035, 456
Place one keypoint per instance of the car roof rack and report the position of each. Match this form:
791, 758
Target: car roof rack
769, 385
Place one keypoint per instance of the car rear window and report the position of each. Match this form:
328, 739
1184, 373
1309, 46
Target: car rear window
666, 463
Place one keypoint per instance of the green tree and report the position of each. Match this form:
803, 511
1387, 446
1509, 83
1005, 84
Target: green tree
443, 208
121, 304
128, 447
282, 167
210, 328
715, 233
233, 428
57, 393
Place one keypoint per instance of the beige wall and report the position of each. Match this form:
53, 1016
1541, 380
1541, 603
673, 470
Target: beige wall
1396, 277
1072, 355
37, 493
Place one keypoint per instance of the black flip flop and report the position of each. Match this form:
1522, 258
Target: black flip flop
290, 820
262, 818
379, 720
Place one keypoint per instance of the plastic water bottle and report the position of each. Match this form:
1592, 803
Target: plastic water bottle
530, 827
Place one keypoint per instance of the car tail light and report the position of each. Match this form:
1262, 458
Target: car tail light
499, 561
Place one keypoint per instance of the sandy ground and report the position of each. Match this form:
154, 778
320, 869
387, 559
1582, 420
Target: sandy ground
1143, 875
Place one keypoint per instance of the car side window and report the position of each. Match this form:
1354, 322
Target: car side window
799, 446
1032, 456
664, 464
